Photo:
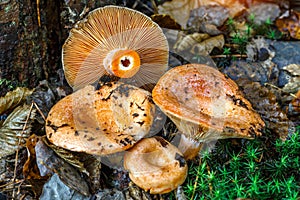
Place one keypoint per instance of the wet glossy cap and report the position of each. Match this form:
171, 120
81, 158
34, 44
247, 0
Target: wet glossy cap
205, 104
155, 165
103, 120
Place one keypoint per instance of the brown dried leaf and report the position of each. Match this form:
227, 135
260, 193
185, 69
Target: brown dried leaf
67, 155
265, 103
135, 192
205, 47
85, 163
207, 19
186, 42
293, 109
166, 21
180, 9
290, 24
48, 162
294, 82
30, 169
14, 98
12, 130
293, 69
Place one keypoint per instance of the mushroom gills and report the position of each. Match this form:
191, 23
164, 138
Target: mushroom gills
118, 41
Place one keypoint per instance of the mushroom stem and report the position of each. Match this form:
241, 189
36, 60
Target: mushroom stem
123, 63
189, 147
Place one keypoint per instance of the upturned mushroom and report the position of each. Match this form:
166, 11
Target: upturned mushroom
155, 165
101, 120
118, 41
205, 105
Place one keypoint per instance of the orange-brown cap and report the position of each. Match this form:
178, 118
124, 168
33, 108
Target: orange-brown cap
118, 41
205, 104
101, 121
155, 165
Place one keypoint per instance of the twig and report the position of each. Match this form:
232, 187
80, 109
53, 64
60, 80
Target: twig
210, 185
196, 181
154, 7
38, 12
41, 113
144, 5
9, 183
233, 55
17, 152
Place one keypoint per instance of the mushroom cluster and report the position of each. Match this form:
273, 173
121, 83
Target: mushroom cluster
111, 117
118, 41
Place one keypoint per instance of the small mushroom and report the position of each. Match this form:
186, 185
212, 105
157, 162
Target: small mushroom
206, 105
155, 165
118, 41
101, 120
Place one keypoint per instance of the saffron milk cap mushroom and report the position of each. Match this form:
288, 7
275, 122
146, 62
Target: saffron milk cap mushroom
117, 41
101, 120
155, 165
205, 105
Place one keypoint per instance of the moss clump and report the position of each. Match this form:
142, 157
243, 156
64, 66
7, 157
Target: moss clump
257, 169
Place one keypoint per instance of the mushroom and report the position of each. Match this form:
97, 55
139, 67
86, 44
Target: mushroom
155, 165
117, 41
101, 120
205, 105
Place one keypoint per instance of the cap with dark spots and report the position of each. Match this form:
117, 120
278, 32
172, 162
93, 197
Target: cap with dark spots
88, 121
115, 41
205, 104
155, 165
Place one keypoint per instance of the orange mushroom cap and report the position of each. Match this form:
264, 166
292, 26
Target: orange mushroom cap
101, 121
205, 104
118, 41
155, 165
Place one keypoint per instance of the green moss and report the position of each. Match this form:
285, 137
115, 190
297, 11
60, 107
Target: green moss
257, 169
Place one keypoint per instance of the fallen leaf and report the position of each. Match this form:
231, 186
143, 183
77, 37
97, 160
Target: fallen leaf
45, 97
55, 188
13, 99
293, 84
186, 42
30, 169
49, 163
290, 24
15, 129
180, 9
205, 47
85, 163
207, 19
263, 12
265, 103
293, 109
253, 71
166, 21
